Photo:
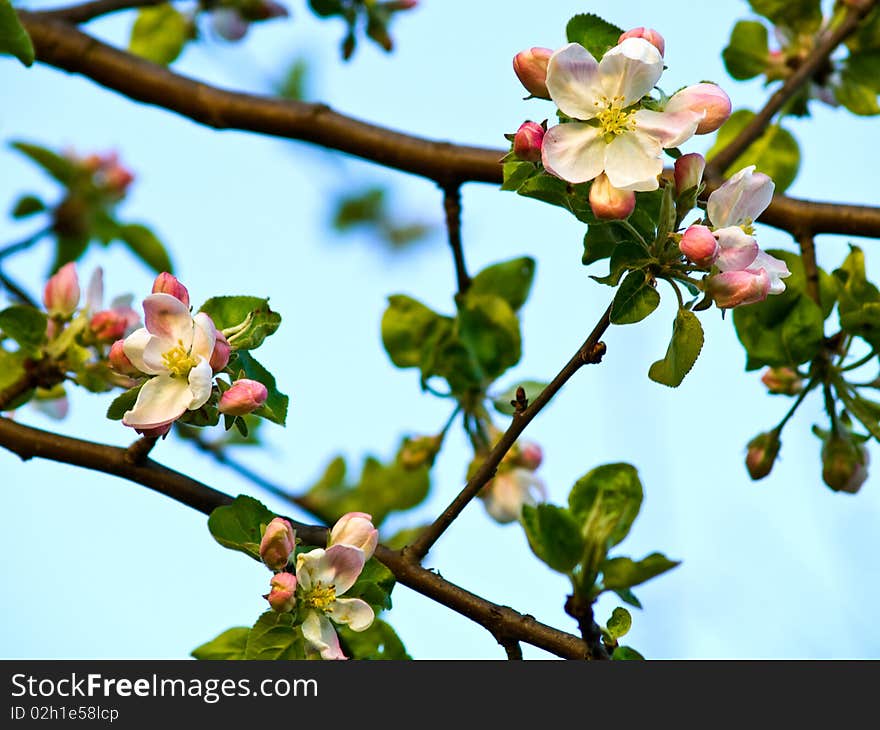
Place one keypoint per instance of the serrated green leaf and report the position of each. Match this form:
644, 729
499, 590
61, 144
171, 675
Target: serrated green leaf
554, 536
275, 407
245, 321
532, 388
747, 53
620, 573
510, 280
550, 189
635, 299
275, 637
489, 328
231, 644
374, 585
159, 34
683, 351
25, 325
626, 256
14, 39
237, 526
593, 33
620, 623
516, 172
122, 403
406, 325
144, 244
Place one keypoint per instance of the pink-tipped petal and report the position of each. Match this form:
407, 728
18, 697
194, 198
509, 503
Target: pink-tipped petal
573, 81
630, 70
736, 249
741, 199
738, 288
135, 347
204, 336
575, 152
776, 269
167, 317
161, 400
319, 632
201, 379
632, 162
354, 612
670, 130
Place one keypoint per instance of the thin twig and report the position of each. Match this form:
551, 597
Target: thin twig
811, 268
139, 450
16, 290
513, 649
452, 207
84, 12
590, 352
819, 56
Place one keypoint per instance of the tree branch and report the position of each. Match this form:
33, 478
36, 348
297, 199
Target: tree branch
811, 268
60, 45
85, 12
30, 442
452, 208
590, 352
755, 128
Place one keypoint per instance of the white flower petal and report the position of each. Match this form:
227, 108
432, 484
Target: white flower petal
776, 269
338, 566
135, 347
575, 152
162, 399
736, 249
632, 162
630, 70
573, 81
95, 291
742, 198
670, 130
352, 611
167, 317
305, 565
201, 379
204, 336
319, 632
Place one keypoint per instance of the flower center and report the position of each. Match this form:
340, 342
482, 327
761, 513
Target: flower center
321, 596
178, 361
747, 227
613, 118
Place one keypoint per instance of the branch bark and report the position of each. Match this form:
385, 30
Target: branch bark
84, 12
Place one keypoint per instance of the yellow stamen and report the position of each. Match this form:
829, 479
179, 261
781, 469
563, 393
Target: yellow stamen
613, 118
178, 361
747, 227
321, 597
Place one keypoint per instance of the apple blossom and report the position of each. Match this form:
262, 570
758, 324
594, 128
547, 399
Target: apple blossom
322, 577
244, 397
277, 543
527, 141
531, 69
282, 592
688, 170
175, 348
61, 293
119, 360
609, 203
649, 34
355, 529
706, 98
610, 134
507, 492
738, 288
166, 283
111, 324
699, 245
844, 463
762, 452
782, 381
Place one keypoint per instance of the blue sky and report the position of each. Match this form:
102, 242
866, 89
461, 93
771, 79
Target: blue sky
98, 567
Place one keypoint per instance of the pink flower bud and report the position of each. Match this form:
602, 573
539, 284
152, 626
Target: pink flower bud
244, 397
277, 544
167, 283
61, 294
649, 34
228, 24
530, 455
220, 354
282, 593
762, 452
699, 245
108, 325
702, 98
527, 141
531, 69
689, 171
844, 464
119, 360
782, 381
609, 203
738, 288
398, 5
355, 529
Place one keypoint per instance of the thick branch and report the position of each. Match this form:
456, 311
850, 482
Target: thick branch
65, 47
819, 56
85, 12
590, 352
30, 442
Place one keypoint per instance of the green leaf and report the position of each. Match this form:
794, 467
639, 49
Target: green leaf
683, 351
858, 86
275, 407
865, 410
11, 368
776, 338
122, 403
627, 596
601, 240
25, 325
378, 642
230, 644
747, 53
14, 39
635, 299
275, 637
374, 585
593, 33
775, 152
516, 172
159, 34
326, 8
237, 526
626, 653
626, 256
69, 248
60, 168
28, 205
444, 355
489, 328
532, 388
406, 325
143, 243
619, 573
246, 321
510, 280
550, 189
554, 536
606, 501
620, 623
803, 16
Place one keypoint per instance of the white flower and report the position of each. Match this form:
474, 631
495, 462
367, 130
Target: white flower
175, 348
506, 494
321, 577
612, 135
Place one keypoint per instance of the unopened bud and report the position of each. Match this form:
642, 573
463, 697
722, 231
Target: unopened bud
738, 288
397, 5
689, 171
527, 141
531, 69
707, 99
530, 455
782, 381
167, 283
277, 544
109, 324
244, 397
282, 593
649, 34
762, 452
220, 353
844, 464
61, 294
699, 245
119, 360
608, 202
355, 529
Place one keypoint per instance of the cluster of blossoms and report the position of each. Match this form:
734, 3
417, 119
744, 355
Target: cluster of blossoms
231, 19
175, 356
515, 484
319, 578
